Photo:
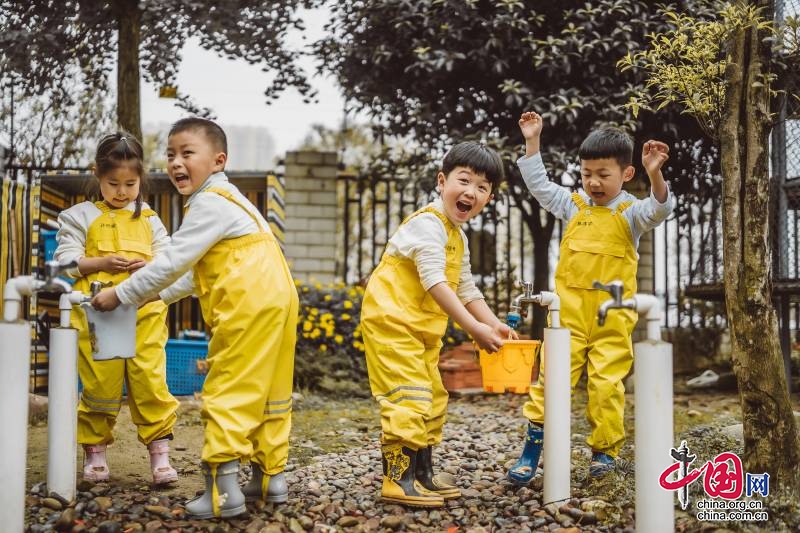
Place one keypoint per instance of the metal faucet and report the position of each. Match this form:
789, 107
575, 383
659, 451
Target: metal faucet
615, 288
518, 309
52, 283
96, 286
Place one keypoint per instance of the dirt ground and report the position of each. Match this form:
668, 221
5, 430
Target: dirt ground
129, 462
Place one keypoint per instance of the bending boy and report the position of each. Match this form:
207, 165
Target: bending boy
423, 278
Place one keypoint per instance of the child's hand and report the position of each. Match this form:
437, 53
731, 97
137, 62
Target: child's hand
486, 338
136, 264
106, 300
530, 124
505, 332
114, 264
654, 155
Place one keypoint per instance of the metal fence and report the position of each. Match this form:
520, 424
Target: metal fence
500, 242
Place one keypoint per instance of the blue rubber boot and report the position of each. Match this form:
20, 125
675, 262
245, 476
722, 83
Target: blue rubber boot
522, 473
601, 464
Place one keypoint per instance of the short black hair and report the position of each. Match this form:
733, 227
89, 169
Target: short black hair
211, 129
608, 143
476, 156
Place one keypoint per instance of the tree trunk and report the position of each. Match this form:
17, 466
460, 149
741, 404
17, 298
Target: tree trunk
541, 268
129, 19
771, 442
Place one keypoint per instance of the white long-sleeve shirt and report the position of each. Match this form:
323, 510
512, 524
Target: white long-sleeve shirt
74, 225
422, 239
643, 215
210, 218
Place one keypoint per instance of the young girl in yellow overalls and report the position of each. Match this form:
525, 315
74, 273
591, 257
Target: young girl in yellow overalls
110, 239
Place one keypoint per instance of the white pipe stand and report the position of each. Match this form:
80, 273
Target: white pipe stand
14, 383
62, 421
557, 406
557, 401
655, 509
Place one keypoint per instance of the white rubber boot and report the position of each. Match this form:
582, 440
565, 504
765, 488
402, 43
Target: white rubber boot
276, 490
223, 498
95, 467
159, 462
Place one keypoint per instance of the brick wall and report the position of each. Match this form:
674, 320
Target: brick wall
311, 214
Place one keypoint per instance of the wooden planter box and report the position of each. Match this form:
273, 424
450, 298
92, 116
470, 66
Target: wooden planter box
460, 369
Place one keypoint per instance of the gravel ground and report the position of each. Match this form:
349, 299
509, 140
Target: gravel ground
334, 477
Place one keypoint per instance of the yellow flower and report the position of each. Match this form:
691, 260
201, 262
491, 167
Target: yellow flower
347, 304
338, 339
345, 317
323, 348
327, 298
307, 325
450, 340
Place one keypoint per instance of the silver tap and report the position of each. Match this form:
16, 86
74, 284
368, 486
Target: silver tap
520, 303
615, 288
96, 286
52, 283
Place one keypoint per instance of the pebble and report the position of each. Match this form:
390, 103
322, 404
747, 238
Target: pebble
340, 491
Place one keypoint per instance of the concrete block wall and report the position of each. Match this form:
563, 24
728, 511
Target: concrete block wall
311, 214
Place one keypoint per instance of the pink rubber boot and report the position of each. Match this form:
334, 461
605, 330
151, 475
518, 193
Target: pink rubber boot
95, 467
159, 462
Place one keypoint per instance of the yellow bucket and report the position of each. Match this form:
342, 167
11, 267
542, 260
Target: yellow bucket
510, 367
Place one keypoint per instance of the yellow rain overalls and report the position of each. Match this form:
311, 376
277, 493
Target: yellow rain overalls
250, 302
402, 326
116, 232
597, 245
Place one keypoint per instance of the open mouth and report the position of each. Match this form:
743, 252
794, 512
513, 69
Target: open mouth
181, 178
463, 207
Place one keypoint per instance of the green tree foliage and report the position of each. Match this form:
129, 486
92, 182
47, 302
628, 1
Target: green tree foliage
446, 70
40, 38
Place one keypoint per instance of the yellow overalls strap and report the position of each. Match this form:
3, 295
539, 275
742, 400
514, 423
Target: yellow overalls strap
578, 200
228, 196
105, 208
449, 227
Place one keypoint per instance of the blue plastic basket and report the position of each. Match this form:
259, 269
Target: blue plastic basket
182, 375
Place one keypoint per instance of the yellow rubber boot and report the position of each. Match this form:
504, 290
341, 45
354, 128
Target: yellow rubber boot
431, 481
399, 483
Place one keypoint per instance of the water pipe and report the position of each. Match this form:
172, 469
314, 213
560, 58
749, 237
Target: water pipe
14, 382
62, 422
557, 390
653, 402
